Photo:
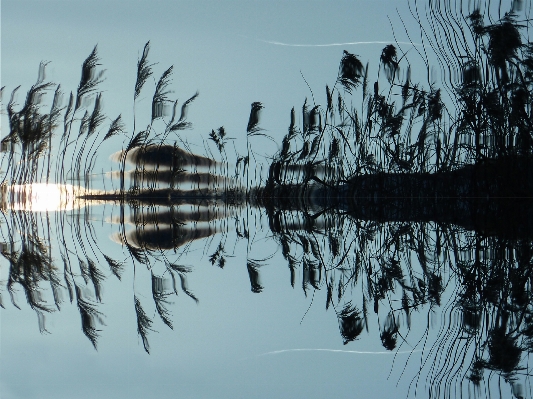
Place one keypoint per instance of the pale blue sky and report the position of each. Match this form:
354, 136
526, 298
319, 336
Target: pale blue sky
219, 48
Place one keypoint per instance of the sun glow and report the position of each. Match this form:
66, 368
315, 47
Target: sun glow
41, 197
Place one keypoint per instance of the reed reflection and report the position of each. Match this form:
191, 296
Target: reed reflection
396, 272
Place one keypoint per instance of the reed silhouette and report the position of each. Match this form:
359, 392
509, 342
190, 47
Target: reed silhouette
381, 208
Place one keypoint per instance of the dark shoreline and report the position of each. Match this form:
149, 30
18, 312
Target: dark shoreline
494, 197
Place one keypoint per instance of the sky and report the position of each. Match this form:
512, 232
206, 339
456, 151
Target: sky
234, 53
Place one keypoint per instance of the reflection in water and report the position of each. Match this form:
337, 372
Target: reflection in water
388, 227
160, 229
41, 197
397, 272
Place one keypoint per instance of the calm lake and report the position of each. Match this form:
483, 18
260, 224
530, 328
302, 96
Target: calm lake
205, 218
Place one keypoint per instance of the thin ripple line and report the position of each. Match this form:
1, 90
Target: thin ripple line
337, 350
334, 44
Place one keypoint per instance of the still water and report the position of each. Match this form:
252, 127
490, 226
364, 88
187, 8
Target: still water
366, 237
216, 299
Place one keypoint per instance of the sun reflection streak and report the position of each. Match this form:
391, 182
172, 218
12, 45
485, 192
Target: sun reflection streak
42, 197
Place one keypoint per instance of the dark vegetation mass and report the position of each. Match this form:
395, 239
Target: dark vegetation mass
380, 205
